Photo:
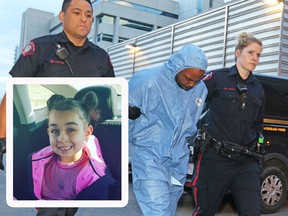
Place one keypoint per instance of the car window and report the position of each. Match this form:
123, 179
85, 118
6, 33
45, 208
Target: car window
38, 97
39, 94
276, 98
119, 100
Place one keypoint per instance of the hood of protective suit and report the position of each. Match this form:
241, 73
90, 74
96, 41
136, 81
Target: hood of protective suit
189, 56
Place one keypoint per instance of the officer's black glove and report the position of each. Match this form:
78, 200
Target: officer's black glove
2, 151
134, 112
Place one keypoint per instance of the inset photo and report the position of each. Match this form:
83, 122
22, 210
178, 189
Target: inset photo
67, 143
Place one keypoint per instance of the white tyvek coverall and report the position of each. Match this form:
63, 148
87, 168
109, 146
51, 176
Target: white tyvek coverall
157, 138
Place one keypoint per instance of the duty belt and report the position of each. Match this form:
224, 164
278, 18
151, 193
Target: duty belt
229, 150
232, 150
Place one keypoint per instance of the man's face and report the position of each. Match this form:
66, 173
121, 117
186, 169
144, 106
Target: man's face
189, 77
77, 20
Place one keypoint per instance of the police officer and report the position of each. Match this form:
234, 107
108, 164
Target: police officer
69, 53
236, 101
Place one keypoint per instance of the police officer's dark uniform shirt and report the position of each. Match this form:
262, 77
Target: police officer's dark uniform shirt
228, 121
38, 59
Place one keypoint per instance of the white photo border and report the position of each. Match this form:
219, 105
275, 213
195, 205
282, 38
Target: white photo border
124, 145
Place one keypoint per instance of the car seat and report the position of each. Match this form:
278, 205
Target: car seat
27, 138
108, 132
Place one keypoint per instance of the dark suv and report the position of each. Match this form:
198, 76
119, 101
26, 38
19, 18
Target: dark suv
274, 175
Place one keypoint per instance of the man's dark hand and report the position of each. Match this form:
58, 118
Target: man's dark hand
2, 151
134, 112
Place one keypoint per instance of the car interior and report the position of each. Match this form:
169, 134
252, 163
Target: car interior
28, 138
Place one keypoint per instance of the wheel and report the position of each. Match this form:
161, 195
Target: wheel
273, 190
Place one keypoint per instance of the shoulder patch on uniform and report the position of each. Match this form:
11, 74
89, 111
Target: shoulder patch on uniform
29, 49
209, 76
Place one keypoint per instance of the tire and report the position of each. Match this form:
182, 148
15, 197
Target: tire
273, 190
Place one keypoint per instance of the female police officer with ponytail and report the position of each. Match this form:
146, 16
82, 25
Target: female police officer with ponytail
236, 102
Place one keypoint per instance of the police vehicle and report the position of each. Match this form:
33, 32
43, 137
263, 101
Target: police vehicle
274, 175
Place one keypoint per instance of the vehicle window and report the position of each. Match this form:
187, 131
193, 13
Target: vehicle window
119, 93
276, 96
38, 97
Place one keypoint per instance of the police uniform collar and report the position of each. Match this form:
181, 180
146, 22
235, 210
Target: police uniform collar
234, 71
62, 38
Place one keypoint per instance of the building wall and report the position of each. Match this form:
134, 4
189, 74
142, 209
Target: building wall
215, 32
283, 48
130, 13
35, 23
127, 11
189, 8
118, 9
167, 5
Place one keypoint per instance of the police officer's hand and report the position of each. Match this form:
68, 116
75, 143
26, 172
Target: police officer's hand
2, 151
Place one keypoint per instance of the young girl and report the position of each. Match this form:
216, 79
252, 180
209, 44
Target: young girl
72, 167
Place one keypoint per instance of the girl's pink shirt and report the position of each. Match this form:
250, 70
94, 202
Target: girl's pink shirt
85, 178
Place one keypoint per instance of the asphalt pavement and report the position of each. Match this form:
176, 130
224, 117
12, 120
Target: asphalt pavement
185, 206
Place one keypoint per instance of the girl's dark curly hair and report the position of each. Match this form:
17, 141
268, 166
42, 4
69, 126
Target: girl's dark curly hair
87, 107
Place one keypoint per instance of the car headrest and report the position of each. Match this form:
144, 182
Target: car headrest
107, 98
